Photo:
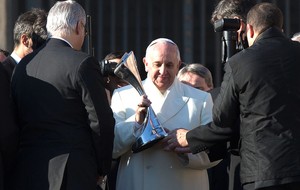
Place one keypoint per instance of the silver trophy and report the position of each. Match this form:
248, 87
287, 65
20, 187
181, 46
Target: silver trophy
151, 129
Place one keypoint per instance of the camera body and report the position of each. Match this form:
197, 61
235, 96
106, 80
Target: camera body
230, 43
227, 24
107, 68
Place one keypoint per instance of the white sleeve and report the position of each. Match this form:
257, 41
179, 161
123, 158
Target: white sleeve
199, 161
124, 128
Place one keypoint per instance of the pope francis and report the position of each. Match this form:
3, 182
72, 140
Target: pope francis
176, 105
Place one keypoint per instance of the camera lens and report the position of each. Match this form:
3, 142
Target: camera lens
107, 68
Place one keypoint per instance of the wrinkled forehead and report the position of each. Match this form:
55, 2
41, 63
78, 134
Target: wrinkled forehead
162, 48
163, 52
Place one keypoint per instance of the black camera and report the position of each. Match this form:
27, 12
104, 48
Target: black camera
227, 24
107, 68
230, 43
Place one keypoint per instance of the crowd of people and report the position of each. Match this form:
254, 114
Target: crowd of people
67, 124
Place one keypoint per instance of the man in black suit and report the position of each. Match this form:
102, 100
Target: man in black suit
67, 126
261, 87
225, 175
29, 34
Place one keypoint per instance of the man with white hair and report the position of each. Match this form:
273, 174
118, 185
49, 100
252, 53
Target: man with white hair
175, 104
197, 76
66, 122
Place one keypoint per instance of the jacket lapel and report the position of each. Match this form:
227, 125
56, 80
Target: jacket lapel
168, 105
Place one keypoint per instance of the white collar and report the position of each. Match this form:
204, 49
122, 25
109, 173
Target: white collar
15, 57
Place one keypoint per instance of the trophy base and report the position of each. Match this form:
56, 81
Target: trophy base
139, 145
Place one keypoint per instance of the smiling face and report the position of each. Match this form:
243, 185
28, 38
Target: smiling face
162, 63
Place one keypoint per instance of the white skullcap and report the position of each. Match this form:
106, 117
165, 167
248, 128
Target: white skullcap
160, 40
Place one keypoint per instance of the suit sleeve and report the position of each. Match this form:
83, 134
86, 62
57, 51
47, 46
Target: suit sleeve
9, 131
225, 115
100, 116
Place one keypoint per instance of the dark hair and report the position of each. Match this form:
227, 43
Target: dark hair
33, 24
114, 55
232, 8
265, 15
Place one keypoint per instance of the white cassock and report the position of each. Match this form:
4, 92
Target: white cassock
181, 106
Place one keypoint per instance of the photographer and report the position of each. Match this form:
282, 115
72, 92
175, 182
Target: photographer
234, 9
260, 88
107, 66
229, 17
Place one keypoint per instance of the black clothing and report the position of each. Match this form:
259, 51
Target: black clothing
261, 88
67, 126
8, 131
225, 175
9, 65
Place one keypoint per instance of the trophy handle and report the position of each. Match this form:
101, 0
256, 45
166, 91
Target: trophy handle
123, 71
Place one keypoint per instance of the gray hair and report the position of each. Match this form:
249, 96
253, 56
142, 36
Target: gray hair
164, 41
33, 24
63, 18
199, 70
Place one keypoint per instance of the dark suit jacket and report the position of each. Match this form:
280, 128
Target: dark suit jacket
261, 87
225, 175
9, 65
8, 130
67, 124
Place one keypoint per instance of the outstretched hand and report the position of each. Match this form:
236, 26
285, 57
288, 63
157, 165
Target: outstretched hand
176, 141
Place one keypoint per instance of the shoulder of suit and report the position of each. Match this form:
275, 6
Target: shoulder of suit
80, 56
62, 47
9, 60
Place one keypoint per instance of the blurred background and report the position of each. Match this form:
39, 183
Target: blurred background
130, 25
